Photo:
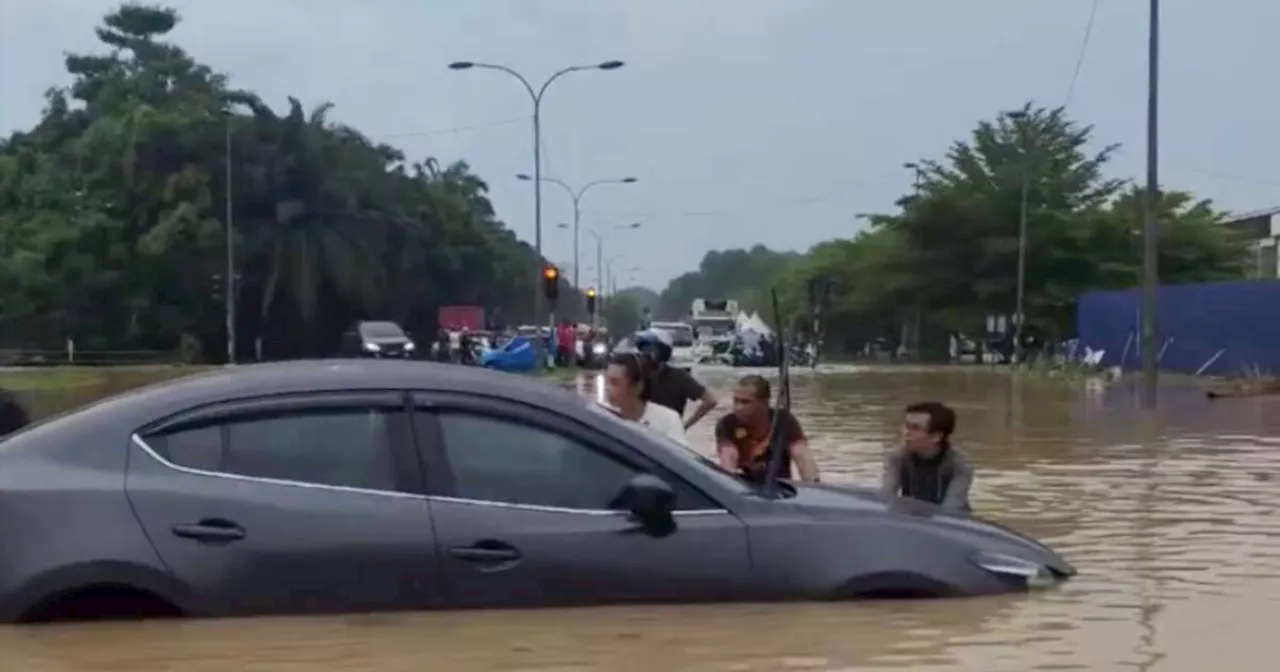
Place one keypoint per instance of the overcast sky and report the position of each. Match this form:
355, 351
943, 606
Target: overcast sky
745, 121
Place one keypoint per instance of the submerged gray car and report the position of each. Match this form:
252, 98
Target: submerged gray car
359, 486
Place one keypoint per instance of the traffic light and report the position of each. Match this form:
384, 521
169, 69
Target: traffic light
591, 302
551, 283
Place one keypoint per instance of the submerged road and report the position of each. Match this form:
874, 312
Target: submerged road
1172, 524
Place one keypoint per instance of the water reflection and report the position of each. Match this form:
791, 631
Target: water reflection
1169, 518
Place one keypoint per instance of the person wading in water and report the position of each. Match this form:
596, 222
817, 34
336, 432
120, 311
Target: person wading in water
742, 437
624, 384
667, 385
926, 466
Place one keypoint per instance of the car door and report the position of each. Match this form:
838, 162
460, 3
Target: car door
296, 504
521, 499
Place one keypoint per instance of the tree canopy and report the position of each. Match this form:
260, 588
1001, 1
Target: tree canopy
114, 214
950, 252
740, 274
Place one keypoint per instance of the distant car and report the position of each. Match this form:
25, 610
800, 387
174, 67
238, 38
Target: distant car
377, 340
363, 486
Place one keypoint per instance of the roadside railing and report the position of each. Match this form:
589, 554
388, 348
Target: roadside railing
23, 357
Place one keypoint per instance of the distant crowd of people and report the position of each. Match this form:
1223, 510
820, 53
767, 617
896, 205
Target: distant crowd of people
643, 387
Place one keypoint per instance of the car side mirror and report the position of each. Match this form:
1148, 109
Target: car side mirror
652, 501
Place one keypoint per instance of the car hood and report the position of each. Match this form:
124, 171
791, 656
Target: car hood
826, 501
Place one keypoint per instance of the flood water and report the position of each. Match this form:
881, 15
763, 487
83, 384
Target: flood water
1170, 520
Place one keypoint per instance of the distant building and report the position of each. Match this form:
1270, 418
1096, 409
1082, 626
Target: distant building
1262, 229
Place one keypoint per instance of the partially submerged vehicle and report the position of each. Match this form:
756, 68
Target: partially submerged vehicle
364, 486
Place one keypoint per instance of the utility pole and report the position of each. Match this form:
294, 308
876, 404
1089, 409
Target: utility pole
1028, 148
1019, 314
1151, 224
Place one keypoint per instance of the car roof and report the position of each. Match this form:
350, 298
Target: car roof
257, 380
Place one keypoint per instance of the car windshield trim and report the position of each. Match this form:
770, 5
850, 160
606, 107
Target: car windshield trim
680, 452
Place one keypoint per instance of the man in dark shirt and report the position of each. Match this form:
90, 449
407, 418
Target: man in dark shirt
669, 386
742, 437
927, 467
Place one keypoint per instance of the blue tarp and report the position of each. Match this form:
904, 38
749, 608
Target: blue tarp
515, 356
1193, 323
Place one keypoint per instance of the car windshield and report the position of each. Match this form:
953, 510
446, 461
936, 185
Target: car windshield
381, 330
682, 453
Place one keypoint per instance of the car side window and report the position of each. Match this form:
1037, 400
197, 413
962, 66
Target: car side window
197, 448
504, 460
339, 447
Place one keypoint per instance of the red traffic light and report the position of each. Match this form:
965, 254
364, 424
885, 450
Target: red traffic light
550, 273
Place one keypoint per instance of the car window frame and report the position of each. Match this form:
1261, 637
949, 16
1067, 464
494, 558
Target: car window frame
437, 472
405, 460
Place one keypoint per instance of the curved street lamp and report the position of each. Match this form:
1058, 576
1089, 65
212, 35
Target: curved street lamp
536, 96
577, 210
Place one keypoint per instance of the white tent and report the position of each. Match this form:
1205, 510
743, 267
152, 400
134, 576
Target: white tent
754, 323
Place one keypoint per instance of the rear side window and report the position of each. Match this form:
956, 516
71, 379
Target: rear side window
199, 448
338, 447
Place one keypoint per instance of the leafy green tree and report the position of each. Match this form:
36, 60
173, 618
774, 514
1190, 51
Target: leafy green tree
951, 252
114, 215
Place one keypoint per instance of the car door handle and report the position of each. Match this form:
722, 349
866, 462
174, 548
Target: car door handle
210, 530
486, 553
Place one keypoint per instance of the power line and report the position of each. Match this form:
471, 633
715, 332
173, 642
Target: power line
753, 207
1084, 49
450, 131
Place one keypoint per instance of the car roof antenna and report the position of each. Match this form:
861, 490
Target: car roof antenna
776, 448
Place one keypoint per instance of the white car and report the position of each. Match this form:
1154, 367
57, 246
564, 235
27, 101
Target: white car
683, 343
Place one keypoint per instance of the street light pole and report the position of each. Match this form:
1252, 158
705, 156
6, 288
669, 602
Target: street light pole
918, 172
229, 283
600, 270
577, 210
1151, 228
536, 96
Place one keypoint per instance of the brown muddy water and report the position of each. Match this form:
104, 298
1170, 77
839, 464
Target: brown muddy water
1170, 519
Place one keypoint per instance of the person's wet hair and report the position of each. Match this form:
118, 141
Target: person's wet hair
631, 364
758, 386
941, 418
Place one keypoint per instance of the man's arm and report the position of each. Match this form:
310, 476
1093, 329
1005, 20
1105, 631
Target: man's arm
706, 401
891, 477
957, 496
726, 451
798, 444
805, 463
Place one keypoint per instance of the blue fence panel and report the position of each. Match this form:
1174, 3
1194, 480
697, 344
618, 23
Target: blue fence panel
1194, 323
